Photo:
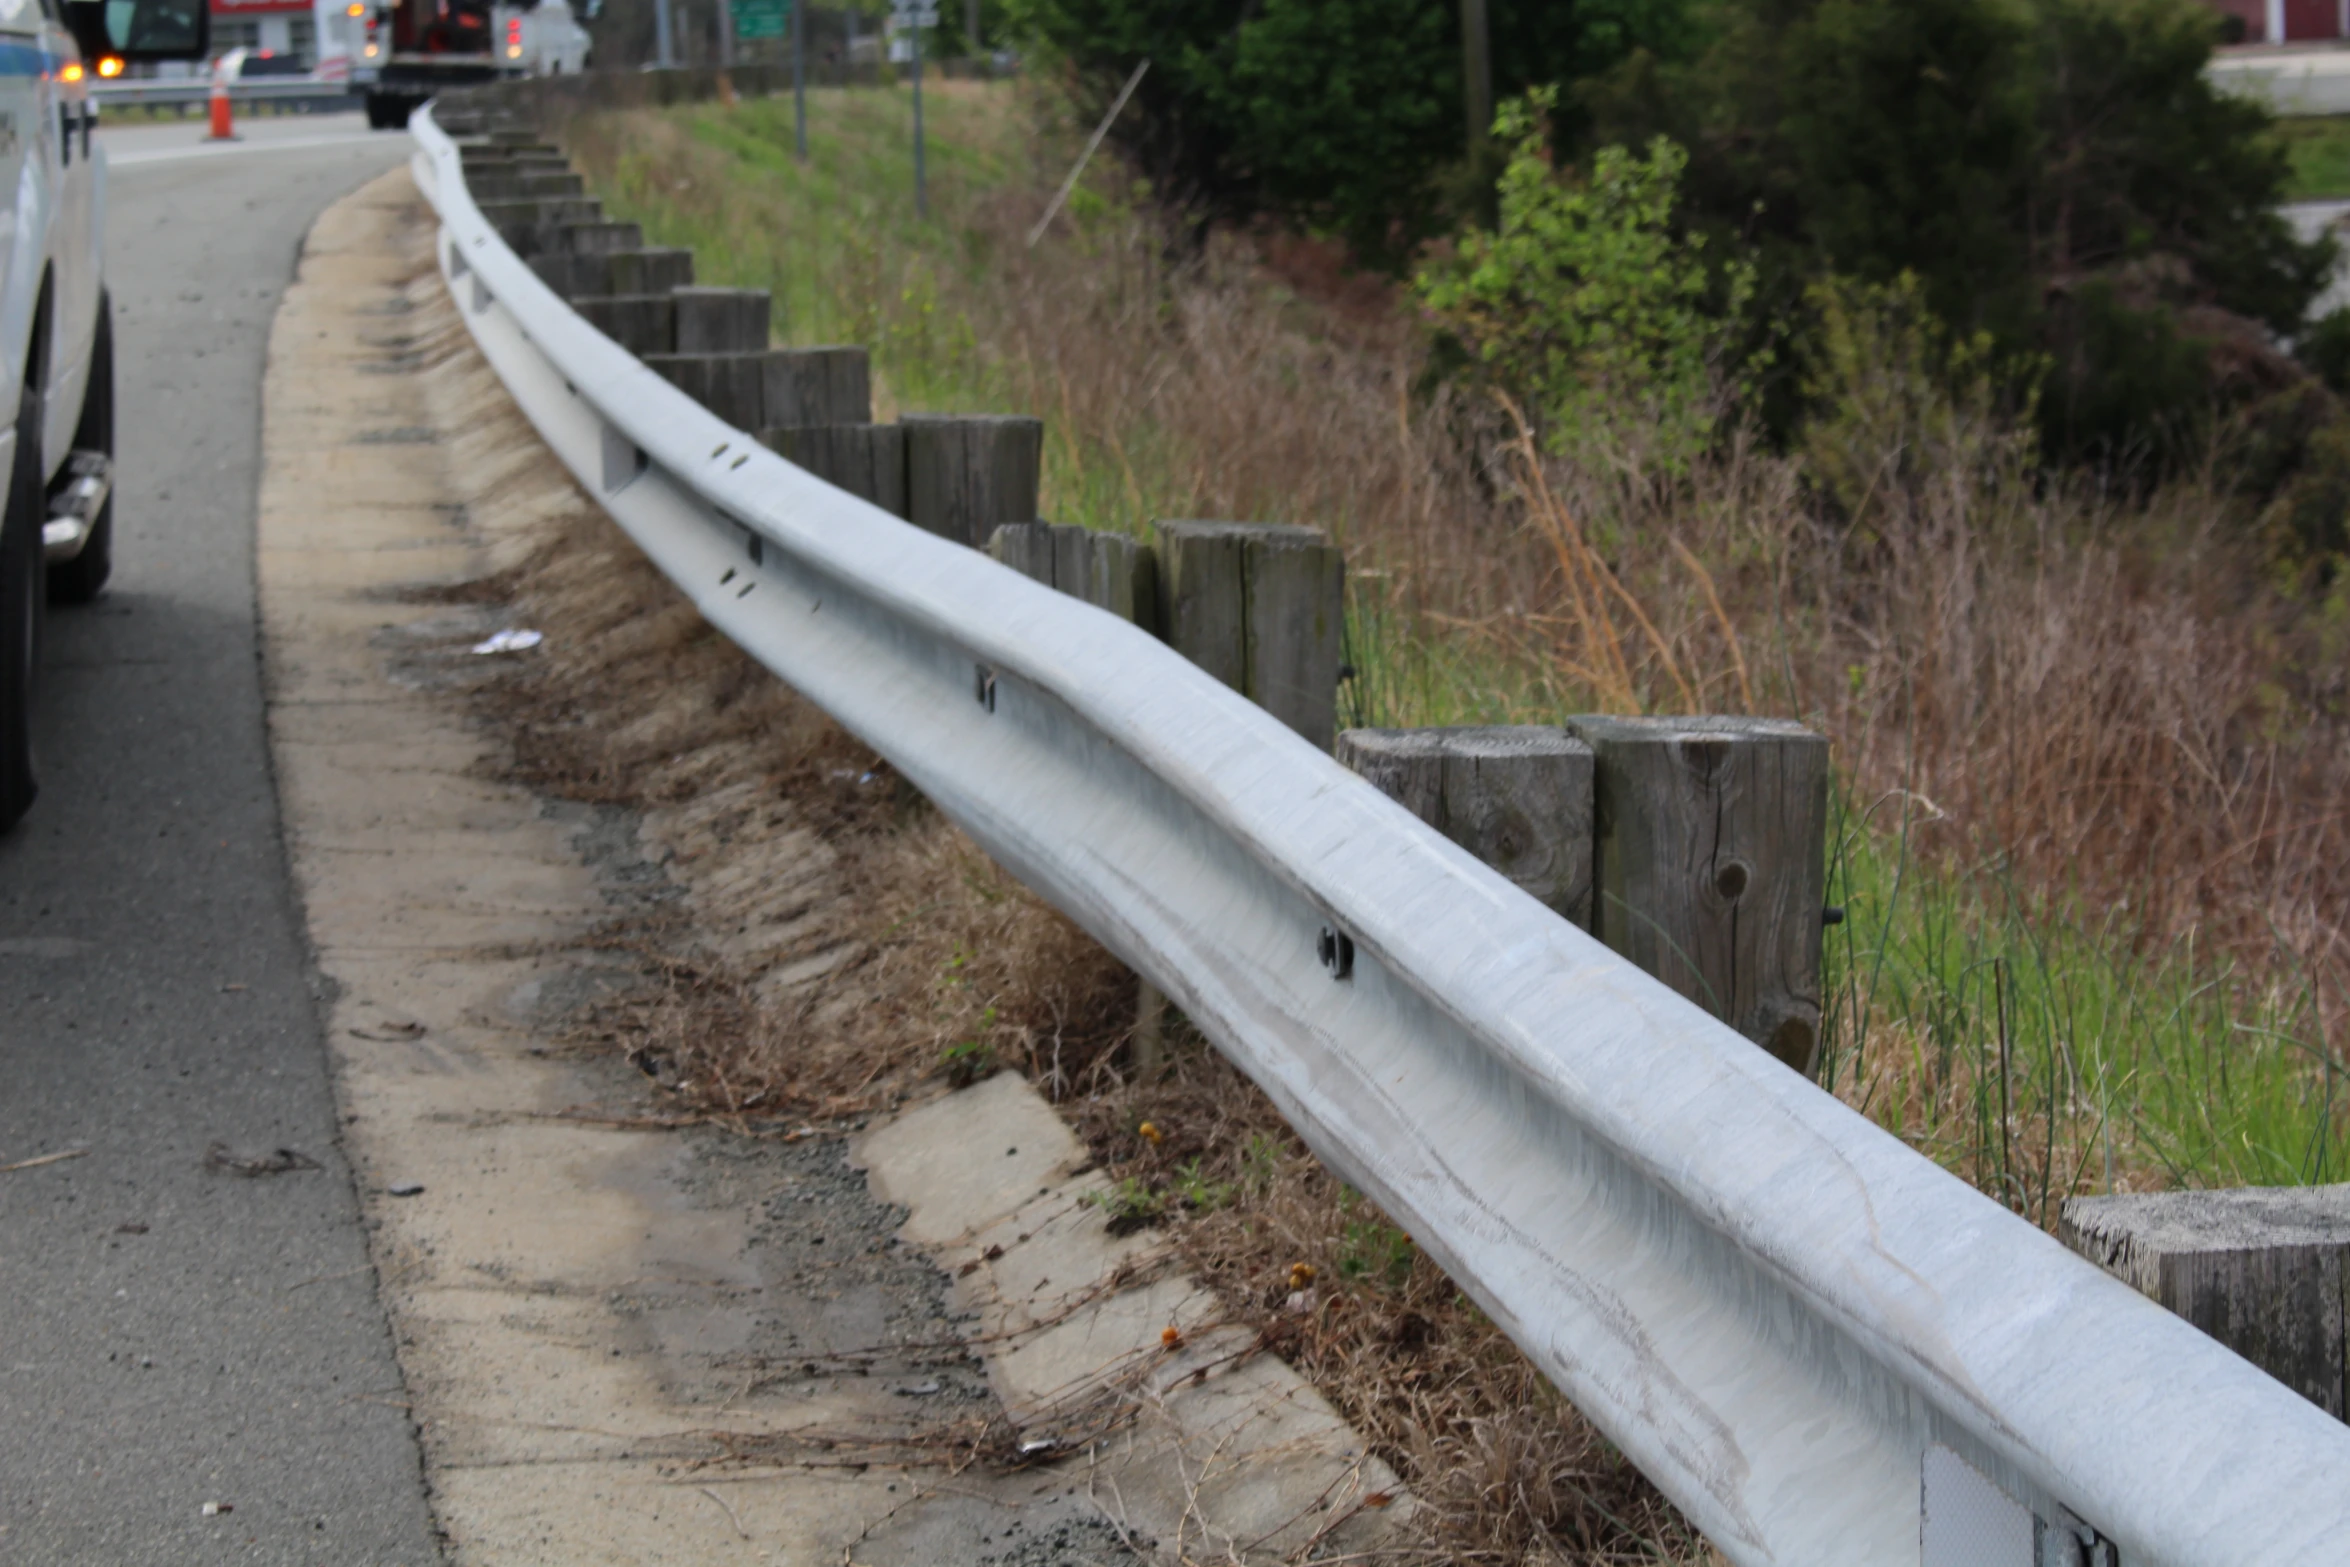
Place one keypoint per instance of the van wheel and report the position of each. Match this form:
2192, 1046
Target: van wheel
78, 580
23, 599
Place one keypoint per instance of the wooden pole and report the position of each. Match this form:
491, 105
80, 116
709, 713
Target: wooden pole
1710, 865
1518, 798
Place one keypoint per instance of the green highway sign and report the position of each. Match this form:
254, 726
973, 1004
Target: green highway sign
759, 18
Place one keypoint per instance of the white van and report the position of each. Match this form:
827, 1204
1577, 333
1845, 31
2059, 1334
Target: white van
56, 334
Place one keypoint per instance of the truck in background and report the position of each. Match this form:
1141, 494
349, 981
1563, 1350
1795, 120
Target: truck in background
413, 49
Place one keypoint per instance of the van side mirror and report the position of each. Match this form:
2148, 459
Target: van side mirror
141, 29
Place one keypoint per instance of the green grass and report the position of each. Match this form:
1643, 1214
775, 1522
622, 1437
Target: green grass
2029, 1047
2320, 152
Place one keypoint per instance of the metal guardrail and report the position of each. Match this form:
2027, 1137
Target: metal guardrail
152, 94
1821, 1346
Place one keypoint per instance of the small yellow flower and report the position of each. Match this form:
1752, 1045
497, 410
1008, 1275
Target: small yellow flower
1150, 1133
1301, 1274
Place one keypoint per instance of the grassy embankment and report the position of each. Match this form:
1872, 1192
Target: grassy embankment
2002, 996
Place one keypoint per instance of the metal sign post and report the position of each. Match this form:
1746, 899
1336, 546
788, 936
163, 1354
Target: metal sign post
915, 15
799, 79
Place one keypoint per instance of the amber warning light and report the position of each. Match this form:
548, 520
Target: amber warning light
110, 67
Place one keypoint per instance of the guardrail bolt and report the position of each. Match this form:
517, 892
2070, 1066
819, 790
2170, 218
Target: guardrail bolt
1337, 952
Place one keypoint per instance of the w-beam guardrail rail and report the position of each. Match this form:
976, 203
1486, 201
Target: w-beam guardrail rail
300, 91
1820, 1345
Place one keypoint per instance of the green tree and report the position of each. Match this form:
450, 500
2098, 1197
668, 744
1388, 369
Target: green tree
1344, 115
2058, 173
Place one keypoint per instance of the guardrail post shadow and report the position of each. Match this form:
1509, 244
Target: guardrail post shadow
1710, 865
2266, 1271
1519, 797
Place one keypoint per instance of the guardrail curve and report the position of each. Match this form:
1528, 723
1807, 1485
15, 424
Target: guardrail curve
1808, 1335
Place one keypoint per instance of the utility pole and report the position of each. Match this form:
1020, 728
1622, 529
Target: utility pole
726, 35
799, 76
663, 54
971, 28
1476, 72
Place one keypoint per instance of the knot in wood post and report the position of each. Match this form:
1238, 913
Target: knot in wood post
1517, 797
1710, 865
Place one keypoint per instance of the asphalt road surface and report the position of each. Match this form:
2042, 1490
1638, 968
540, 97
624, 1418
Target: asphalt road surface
172, 1335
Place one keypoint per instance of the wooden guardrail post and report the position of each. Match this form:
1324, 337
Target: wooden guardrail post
1261, 606
2265, 1271
968, 474
1517, 797
867, 460
1107, 570
1710, 867
803, 386
714, 320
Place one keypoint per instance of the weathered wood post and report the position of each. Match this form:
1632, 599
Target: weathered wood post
1107, 570
722, 320
2264, 1271
1517, 797
1262, 607
968, 474
804, 386
1710, 867
867, 460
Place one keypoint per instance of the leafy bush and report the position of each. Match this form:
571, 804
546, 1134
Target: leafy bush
1585, 299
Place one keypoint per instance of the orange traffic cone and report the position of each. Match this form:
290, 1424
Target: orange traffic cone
223, 129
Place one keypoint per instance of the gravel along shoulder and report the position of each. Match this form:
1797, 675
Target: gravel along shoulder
629, 1333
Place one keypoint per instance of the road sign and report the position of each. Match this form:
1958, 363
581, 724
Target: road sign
759, 18
914, 13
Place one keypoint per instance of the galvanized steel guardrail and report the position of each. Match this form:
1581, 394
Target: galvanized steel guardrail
1820, 1345
150, 93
